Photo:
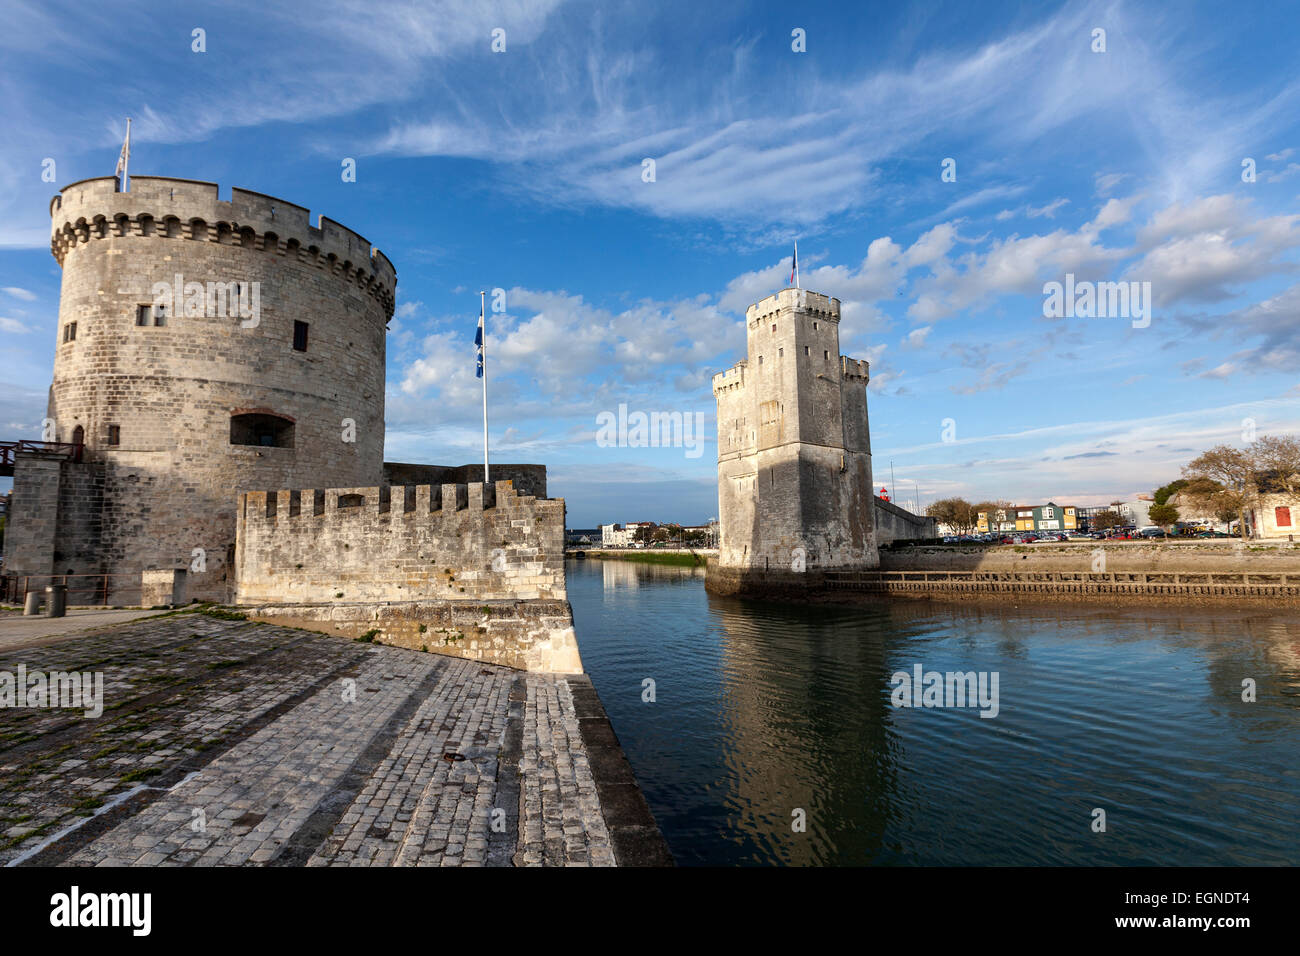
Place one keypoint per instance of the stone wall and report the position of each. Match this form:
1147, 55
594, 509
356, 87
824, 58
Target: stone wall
898, 524
1173, 589
528, 635
32, 522
470, 570
399, 543
1219, 555
794, 446
155, 403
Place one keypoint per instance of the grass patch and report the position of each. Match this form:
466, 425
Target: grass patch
143, 773
367, 638
675, 558
224, 614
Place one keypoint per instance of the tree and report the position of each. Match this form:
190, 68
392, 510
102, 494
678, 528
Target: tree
1163, 494
1202, 496
1229, 480
1107, 520
1163, 515
644, 534
1276, 460
958, 513
1229, 468
991, 509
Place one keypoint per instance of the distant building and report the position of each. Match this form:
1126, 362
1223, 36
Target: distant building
1136, 512
1087, 516
1048, 517
582, 536
620, 535
1274, 516
1000, 520
1276, 510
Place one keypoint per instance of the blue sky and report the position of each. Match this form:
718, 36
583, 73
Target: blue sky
522, 170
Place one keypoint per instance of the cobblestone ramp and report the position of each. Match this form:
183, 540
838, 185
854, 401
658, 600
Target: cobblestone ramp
268, 746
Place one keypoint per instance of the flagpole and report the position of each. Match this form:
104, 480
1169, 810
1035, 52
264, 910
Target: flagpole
796, 264
482, 319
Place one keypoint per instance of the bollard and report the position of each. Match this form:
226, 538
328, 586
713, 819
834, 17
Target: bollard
32, 603
56, 600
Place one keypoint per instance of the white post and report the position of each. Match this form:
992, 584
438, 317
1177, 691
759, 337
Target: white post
126, 159
482, 318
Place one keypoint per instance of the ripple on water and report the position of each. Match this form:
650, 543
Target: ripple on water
764, 710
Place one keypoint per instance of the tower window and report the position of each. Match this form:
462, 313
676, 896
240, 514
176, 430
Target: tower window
760, 360
780, 353
115, 434
70, 332
268, 431
773, 326
143, 314
805, 350
826, 355
299, 336
814, 326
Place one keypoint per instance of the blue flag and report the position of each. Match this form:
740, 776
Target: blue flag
478, 342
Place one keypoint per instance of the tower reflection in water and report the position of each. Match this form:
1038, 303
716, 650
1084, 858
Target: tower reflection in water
762, 710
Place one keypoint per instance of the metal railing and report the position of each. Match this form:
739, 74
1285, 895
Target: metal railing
86, 590
9, 450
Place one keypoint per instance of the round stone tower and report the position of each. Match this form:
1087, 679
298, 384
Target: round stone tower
206, 347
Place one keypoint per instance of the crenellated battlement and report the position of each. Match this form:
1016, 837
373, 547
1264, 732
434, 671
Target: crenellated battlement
794, 300
365, 503
732, 378
165, 208
852, 368
393, 543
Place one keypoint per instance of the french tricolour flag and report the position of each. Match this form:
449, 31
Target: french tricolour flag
794, 266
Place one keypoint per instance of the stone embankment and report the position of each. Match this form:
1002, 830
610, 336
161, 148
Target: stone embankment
217, 741
1175, 556
1215, 572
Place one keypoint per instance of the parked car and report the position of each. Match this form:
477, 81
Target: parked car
1152, 533
1213, 534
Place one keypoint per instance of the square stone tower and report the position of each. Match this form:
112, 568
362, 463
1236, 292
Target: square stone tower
794, 450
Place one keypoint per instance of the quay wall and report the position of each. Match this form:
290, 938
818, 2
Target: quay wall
1118, 556
1149, 588
526, 635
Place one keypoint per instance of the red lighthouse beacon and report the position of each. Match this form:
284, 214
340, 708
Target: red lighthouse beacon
884, 493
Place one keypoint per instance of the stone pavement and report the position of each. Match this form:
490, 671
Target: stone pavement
225, 742
20, 630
